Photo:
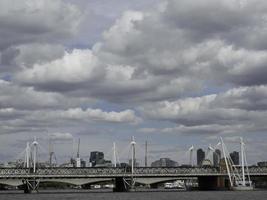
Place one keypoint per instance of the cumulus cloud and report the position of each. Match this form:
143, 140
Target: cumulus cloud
36, 53
76, 67
26, 98
34, 31
38, 120
154, 55
61, 136
235, 110
36, 21
99, 115
190, 67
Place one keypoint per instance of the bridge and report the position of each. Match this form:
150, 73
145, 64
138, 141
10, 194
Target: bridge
208, 177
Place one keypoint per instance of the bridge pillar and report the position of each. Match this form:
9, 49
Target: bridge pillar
212, 183
154, 186
120, 185
30, 186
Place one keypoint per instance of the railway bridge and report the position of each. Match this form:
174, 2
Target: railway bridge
208, 177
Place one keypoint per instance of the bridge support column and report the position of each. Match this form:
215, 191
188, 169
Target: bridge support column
120, 185
154, 186
212, 183
30, 186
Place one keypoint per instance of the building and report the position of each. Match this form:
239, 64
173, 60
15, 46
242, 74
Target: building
235, 157
164, 162
262, 164
216, 157
200, 156
206, 163
96, 158
136, 164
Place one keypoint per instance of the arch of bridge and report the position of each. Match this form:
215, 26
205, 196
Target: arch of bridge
11, 182
76, 181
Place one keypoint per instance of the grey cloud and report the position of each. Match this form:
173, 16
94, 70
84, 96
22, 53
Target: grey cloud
35, 53
29, 21
29, 28
163, 54
7, 59
14, 96
40, 121
240, 109
245, 98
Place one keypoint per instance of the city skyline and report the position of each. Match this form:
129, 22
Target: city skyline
173, 73
194, 156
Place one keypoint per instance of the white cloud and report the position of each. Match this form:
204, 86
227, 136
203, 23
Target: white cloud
61, 136
236, 110
127, 116
192, 67
77, 66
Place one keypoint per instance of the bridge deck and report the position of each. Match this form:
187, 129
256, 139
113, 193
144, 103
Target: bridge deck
121, 172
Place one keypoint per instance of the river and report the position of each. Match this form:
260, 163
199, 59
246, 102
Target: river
156, 195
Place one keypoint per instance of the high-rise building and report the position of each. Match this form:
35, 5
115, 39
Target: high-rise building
216, 157
200, 156
164, 162
96, 158
235, 157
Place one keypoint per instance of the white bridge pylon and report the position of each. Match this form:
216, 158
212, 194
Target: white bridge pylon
31, 155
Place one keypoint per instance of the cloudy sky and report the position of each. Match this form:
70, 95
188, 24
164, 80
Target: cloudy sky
174, 73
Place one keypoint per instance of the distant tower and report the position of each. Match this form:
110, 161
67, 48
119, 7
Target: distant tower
216, 157
235, 157
200, 156
78, 159
51, 152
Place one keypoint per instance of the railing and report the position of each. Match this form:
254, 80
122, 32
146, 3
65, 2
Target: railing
113, 172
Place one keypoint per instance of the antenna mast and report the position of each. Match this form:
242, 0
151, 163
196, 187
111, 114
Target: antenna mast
78, 151
146, 154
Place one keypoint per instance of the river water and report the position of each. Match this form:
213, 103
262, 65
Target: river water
156, 195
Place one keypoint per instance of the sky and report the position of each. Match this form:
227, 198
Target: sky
173, 73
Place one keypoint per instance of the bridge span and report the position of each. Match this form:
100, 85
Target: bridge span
208, 177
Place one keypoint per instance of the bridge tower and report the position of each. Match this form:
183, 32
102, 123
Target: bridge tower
35, 146
31, 184
114, 155
27, 155
133, 143
191, 150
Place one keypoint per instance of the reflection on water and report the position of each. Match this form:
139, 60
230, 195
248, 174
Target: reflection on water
148, 195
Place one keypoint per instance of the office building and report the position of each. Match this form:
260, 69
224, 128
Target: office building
200, 156
235, 157
164, 162
96, 158
216, 157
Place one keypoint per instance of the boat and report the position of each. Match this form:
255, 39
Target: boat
242, 186
179, 184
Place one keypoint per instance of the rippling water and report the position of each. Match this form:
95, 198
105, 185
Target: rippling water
157, 195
